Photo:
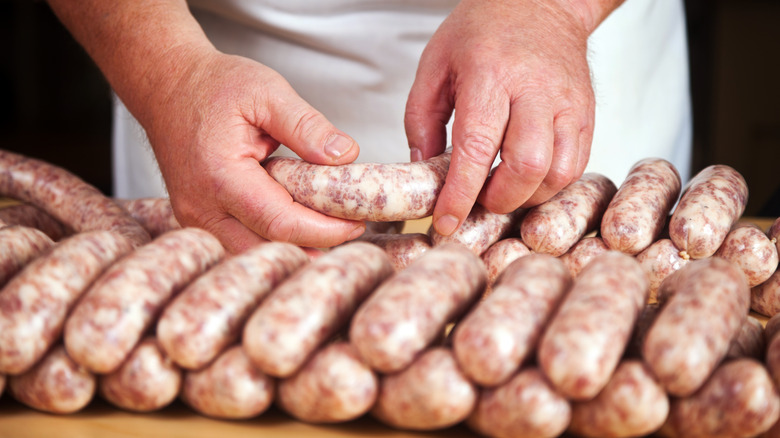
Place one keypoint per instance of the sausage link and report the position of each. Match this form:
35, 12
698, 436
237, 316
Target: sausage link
209, 314
771, 328
124, 302
501, 331
65, 196
500, 255
364, 191
402, 249
658, 261
765, 297
748, 247
632, 404
710, 204
411, 309
774, 233
556, 225
432, 393
35, 303
579, 255
308, 308
643, 323
749, 341
526, 406
56, 384
31, 216
146, 381
772, 353
335, 385
586, 338
479, 230
638, 211
230, 387
154, 214
18, 246
703, 309
738, 400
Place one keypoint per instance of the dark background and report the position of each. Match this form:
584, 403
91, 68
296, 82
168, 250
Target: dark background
55, 105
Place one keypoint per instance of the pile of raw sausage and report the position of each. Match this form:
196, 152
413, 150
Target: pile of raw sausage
607, 311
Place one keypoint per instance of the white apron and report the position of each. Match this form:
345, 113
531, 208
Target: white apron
355, 60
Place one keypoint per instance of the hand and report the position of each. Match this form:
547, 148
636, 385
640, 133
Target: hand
210, 133
515, 73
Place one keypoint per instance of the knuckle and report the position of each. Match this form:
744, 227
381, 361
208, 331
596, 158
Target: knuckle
529, 167
478, 147
307, 122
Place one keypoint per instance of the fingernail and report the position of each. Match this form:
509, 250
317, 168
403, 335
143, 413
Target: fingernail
446, 225
357, 232
338, 145
416, 154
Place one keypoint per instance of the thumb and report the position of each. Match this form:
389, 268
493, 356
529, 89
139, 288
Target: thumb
306, 131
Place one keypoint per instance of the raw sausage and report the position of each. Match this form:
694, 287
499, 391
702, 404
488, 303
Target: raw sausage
765, 298
335, 385
710, 204
738, 400
364, 191
556, 225
659, 260
65, 196
638, 211
154, 214
772, 354
632, 404
31, 216
748, 247
774, 233
411, 309
582, 253
18, 246
703, 308
501, 331
402, 249
643, 323
124, 302
56, 384
146, 381
749, 341
526, 406
308, 308
479, 230
230, 387
500, 255
586, 338
35, 303
209, 314
432, 393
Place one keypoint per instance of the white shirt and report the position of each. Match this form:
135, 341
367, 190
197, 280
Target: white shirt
355, 60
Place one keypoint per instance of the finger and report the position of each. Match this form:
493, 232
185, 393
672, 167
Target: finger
235, 237
526, 156
585, 144
480, 121
306, 131
428, 111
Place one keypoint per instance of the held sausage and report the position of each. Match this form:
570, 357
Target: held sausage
765, 298
335, 385
659, 260
479, 230
582, 253
748, 247
146, 381
710, 204
586, 338
31, 216
154, 214
501, 331
432, 393
230, 387
526, 406
738, 400
308, 308
124, 302
749, 341
65, 196
209, 314
411, 309
35, 303
500, 255
56, 384
632, 404
18, 246
402, 249
364, 191
638, 211
556, 225
703, 307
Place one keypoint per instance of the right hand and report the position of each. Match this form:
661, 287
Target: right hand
211, 128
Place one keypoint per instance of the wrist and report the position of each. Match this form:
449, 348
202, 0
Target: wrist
592, 12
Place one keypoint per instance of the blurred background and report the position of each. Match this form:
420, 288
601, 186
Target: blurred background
55, 105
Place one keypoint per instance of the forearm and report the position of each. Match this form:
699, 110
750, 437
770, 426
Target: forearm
139, 45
